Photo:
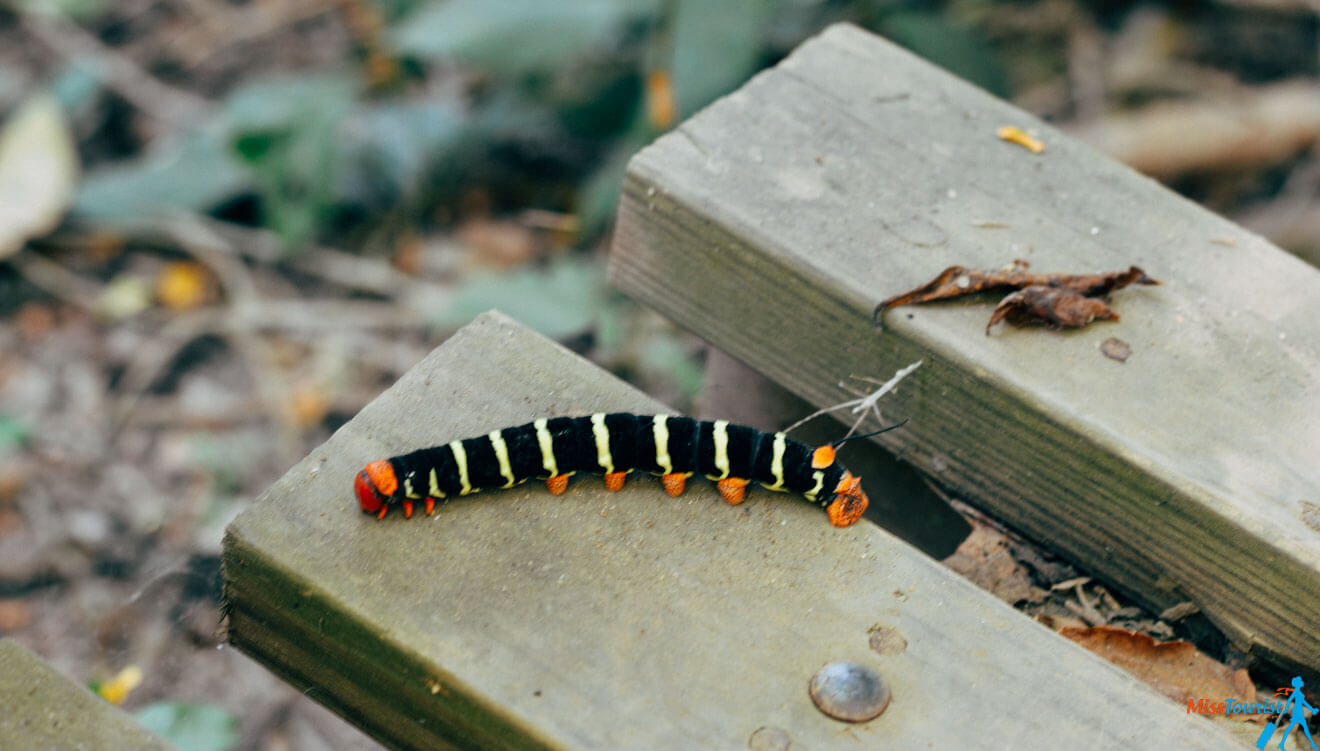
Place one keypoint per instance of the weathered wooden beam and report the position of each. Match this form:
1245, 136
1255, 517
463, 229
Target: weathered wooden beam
41, 708
772, 222
630, 620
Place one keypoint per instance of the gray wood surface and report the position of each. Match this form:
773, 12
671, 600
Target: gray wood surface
772, 222
42, 708
592, 620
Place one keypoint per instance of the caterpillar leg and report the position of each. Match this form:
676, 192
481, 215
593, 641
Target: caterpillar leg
614, 480
557, 484
383, 511
733, 489
674, 483
430, 506
407, 509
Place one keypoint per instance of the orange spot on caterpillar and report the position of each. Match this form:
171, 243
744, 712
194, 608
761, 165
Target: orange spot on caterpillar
674, 483
382, 476
849, 502
557, 484
732, 489
822, 457
614, 480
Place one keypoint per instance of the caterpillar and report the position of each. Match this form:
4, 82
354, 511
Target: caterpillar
614, 445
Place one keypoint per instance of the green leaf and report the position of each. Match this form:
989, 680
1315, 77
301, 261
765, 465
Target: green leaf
68, 8
77, 87
287, 131
191, 727
280, 104
598, 196
38, 172
392, 150
514, 37
955, 48
14, 433
193, 174
559, 302
716, 47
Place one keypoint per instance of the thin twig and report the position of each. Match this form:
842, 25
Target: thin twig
335, 266
172, 105
863, 405
56, 280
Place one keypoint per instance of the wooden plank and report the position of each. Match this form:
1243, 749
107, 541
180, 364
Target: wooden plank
773, 222
42, 708
630, 620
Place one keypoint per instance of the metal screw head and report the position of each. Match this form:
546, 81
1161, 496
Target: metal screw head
849, 691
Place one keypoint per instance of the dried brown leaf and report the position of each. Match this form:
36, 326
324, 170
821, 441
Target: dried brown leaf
957, 281
1056, 307
1175, 668
985, 559
1058, 300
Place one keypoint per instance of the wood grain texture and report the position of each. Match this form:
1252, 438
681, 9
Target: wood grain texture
41, 708
632, 620
772, 222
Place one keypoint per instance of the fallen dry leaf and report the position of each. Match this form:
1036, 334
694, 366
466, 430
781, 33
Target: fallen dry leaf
984, 558
661, 104
1179, 611
14, 616
1174, 668
501, 243
1014, 134
309, 403
38, 172
183, 285
1056, 307
1057, 300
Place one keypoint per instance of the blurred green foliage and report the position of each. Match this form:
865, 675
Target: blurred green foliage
526, 102
286, 132
515, 38
552, 99
14, 433
562, 300
191, 727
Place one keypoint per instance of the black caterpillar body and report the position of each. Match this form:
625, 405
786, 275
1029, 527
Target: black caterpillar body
675, 448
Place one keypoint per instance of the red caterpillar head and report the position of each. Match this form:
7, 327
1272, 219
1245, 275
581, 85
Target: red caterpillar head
849, 502
375, 485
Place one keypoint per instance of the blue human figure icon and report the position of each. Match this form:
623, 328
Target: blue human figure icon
1298, 703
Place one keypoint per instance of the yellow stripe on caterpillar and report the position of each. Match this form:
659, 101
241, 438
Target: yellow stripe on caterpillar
602, 436
502, 456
